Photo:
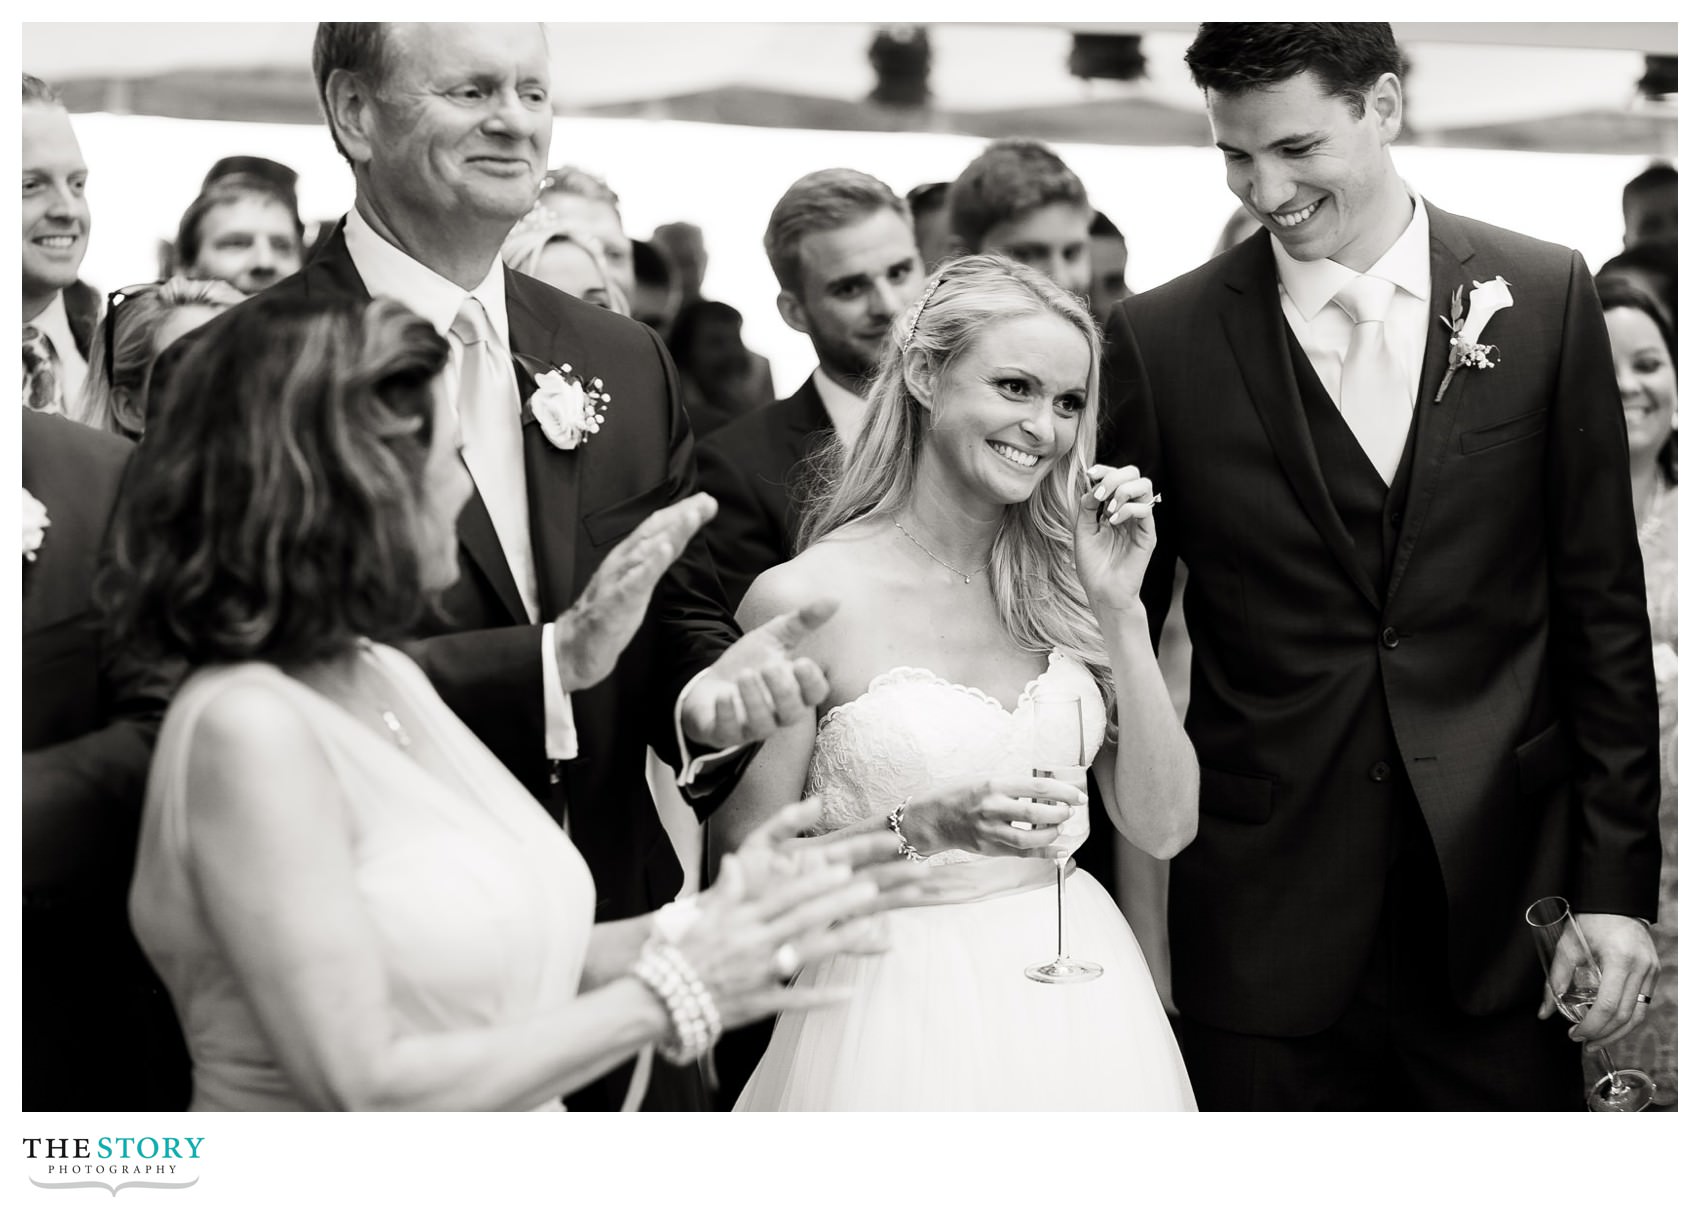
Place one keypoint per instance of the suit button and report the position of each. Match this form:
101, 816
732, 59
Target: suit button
1390, 638
1381, 772
1395, 517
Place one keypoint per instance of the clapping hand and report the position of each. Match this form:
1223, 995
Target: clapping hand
1629, 965
780, 903
760, 684
591, 634
773, 852
1114, 535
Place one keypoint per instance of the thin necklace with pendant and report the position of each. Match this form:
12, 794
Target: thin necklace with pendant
967, 578
392, 722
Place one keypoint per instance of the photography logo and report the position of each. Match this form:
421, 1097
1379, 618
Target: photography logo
113, 1163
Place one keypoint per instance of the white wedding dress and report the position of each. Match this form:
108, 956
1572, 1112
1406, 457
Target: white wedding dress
946, 1019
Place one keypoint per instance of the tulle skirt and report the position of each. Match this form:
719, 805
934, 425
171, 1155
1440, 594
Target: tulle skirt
946, 1019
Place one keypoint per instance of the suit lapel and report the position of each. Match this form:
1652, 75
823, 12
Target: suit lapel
1449, 251
538, 342
807, 414
1256, 332
332, 272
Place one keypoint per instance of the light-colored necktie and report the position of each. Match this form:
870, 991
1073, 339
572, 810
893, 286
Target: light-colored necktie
1375, 392
487, 400
41, 373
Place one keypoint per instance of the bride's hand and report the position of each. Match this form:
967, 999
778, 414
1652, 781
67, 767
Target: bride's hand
977, 815
1114, 535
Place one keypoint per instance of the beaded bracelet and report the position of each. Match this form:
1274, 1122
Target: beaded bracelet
895, 821
695, 1019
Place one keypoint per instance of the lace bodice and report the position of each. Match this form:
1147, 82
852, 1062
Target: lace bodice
911, 730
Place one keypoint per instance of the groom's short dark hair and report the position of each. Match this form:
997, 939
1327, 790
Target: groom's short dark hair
1348, 57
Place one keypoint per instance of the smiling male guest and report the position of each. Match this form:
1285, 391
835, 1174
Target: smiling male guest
1018, 198
841, 246
59, 311
447, 128
1422, 690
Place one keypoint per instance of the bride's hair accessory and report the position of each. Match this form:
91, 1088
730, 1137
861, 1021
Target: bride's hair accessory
895, 820
915, 316
670, 977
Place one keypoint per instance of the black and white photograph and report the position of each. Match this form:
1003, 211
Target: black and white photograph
986, 570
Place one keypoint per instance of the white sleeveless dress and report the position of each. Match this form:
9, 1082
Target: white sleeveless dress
946, 1019
481, 904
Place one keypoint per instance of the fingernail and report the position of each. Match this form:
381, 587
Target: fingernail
1101, 491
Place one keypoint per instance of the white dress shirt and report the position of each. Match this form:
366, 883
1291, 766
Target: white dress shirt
1323, 328
391, 274
55, 325
846, 409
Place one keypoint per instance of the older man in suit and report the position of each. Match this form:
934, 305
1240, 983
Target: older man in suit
842, 247
573, 433
98, 1032
1422, 689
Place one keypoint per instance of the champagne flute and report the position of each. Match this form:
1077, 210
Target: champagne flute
1059, 752
1565, 956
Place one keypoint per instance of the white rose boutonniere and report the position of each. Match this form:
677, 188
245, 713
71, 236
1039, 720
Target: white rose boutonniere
36, 523
1486, 298
569, 409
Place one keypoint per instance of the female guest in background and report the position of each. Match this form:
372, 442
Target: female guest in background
350, 900
1643, 346
138, 324
558, 251
975, 570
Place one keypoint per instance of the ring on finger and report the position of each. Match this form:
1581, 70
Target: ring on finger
786, 962
1643, 999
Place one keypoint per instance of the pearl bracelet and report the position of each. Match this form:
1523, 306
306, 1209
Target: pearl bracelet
895, 821
695, 1019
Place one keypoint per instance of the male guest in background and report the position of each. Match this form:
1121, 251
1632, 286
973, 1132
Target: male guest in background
1109, 267
59, 311
447, 130
1649, 208
242, 229
840, 244
1018, 198
1423, 693
843, 252
929, 207
98, 1032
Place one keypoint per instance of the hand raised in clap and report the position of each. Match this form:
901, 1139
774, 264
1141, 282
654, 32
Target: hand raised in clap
591, 634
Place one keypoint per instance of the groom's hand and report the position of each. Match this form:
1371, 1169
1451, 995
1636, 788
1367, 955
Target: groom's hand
591, 634
1629, 965
760, 684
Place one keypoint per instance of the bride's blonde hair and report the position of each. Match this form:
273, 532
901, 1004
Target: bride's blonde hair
1040, 600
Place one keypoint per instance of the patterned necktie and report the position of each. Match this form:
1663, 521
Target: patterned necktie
490, 428
1375, 393
41, 373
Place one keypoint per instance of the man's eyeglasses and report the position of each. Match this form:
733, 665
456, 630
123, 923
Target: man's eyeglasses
115, 300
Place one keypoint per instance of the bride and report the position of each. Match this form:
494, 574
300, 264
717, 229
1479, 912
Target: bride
979, 558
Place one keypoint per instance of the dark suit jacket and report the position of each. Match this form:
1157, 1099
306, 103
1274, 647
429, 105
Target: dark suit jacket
90, 714
484, 657
755, 469
82, 313
1510, 640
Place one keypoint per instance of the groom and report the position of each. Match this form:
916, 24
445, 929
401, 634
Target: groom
1422, 686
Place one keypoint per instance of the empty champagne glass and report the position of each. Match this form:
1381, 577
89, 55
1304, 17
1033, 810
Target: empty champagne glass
1573, 976
1059, 752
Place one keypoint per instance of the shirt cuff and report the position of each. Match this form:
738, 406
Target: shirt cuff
689, 767
560, 733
